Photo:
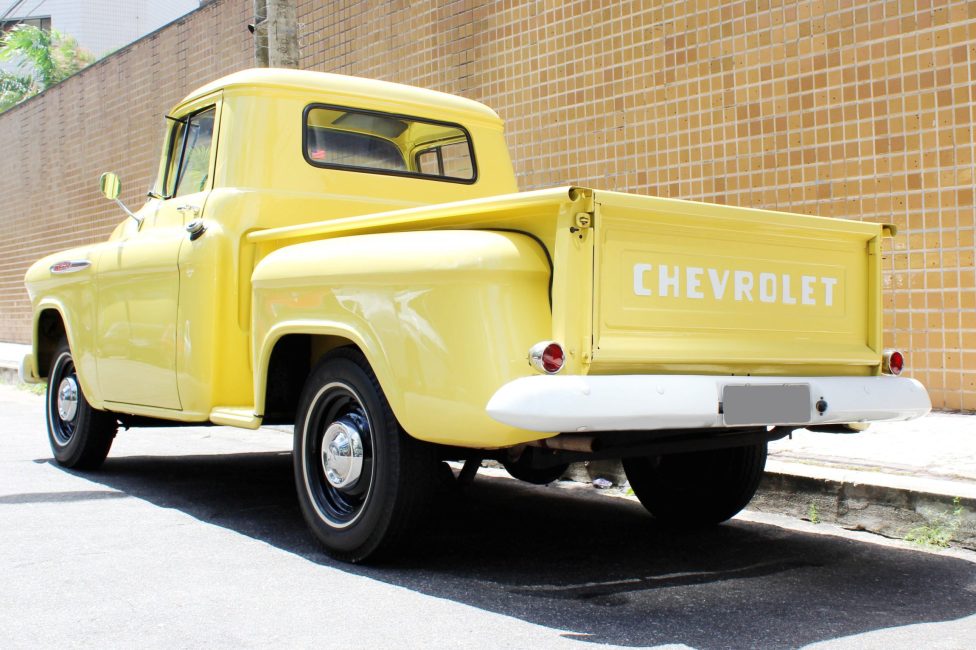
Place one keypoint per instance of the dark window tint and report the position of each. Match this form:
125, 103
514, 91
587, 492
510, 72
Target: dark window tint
349, 149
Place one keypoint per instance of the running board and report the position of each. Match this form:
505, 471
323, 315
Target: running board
236, 416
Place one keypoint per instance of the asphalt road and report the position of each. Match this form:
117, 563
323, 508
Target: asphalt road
192, 537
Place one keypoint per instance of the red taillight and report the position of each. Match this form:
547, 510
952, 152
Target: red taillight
547, 357
893, 362
552, 358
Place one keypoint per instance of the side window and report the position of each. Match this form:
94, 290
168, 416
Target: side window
188, 167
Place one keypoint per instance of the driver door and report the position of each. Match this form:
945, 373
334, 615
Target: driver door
139, 278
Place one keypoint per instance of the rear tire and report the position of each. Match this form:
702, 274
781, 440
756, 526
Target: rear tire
80, 435
699, 488
363, 483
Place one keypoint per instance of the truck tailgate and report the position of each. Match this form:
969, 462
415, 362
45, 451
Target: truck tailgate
691, 287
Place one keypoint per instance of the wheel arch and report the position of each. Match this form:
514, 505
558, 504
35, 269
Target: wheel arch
49, 329
290, 352
52, 322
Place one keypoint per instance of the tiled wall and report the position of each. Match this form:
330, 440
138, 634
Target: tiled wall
847, 109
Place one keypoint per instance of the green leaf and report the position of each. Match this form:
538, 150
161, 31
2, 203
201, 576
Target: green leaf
15, 89
45, 57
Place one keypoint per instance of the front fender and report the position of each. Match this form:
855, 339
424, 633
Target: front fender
444, 318
71, 293
80, 342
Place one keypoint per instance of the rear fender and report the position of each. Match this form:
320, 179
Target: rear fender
444, 319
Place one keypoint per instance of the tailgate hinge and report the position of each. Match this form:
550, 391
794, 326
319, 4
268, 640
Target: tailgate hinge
586, 209
583, 221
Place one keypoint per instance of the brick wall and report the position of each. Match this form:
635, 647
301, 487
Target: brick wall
847, 109
108, 117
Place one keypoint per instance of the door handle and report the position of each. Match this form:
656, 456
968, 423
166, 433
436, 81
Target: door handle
188, 208
196, 228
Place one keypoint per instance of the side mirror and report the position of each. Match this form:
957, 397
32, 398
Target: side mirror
111, 185
111, 188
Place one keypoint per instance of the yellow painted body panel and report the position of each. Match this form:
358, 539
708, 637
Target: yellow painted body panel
443, 317
443, 285
138, 291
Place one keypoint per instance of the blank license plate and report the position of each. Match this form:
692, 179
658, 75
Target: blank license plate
775, 404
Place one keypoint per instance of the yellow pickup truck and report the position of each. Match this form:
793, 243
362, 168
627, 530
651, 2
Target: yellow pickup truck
353, 257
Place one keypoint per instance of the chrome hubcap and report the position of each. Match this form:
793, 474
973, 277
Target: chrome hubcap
68, 399
342, 454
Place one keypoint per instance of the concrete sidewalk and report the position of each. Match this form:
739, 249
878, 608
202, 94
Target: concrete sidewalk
892, 479
10, 356
895, 478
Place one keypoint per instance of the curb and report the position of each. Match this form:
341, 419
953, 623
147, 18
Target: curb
882, 509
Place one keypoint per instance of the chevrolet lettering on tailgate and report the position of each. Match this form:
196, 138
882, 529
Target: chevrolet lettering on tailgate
695, 282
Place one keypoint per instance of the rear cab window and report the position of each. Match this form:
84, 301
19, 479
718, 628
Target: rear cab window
351, 139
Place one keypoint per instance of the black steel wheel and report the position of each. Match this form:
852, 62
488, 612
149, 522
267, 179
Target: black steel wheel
80, 435
340, 439
362, 482
698, 488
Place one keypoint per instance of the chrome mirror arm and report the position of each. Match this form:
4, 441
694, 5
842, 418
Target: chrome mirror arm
129, 212
111, 187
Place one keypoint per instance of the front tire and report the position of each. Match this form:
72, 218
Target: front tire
80, 435
362, 482
700, 488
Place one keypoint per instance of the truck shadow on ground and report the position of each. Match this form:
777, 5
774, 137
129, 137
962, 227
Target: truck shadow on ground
596, 567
